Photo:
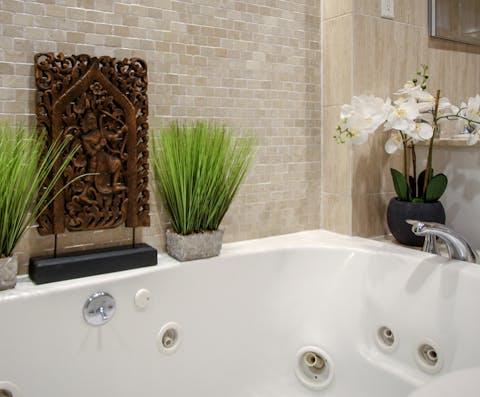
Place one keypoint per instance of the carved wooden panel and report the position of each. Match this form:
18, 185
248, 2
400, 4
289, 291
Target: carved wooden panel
102, 104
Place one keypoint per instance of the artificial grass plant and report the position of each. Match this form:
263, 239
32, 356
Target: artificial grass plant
198, 168
24, 168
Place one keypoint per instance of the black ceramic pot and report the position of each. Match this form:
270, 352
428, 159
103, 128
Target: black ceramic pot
398, 211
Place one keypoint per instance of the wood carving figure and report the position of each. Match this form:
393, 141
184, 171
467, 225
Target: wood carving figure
104, 161
101, 103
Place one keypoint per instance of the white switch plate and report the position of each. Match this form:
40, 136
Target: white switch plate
387, 9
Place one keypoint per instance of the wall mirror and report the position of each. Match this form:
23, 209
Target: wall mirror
457, 20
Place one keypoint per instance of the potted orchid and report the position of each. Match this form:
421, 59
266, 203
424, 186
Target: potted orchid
413, 117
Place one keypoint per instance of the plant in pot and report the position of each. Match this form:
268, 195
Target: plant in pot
198, 169
413, 117
24, 194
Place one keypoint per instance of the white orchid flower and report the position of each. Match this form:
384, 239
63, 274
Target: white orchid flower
471, 110
410, 90
369, 113
400, 100
424, 96
426, 107
407, 89
474, 130
402, 117
445, 107
394, 143
422, 132
358, 136
363, 116
346, 111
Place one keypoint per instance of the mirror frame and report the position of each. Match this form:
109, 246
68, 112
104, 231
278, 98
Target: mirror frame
443, 8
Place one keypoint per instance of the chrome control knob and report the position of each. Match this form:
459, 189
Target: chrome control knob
99, 308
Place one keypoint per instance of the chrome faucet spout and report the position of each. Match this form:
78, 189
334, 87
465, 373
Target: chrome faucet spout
458, 247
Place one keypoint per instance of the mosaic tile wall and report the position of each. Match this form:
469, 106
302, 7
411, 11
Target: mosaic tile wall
254, 65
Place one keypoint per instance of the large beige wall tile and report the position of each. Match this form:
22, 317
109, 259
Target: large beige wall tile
337, 213
367, 7
336, 158
369, 214
411, 12
391, 57
336, 8
454, 69
371, 166
338, 60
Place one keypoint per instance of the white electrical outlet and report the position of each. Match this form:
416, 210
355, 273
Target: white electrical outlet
387, 9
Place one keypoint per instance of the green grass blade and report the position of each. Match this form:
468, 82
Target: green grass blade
24, 193
199, 168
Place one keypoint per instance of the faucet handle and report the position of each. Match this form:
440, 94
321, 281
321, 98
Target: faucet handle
430, 243
420, 226
457, 246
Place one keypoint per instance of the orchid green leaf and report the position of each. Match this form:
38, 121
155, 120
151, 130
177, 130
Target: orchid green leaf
400, 184
436, 187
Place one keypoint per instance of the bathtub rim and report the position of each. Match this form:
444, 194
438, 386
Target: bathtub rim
317, 238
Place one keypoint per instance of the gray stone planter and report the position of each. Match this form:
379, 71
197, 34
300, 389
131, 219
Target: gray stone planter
194, 246
8, 272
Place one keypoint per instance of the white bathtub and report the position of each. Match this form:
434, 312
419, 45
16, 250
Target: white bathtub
242, 319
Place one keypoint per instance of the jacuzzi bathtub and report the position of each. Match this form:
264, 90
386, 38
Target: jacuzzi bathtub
243, 324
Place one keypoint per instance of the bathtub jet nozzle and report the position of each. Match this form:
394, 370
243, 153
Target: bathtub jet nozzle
314, 367
313, 360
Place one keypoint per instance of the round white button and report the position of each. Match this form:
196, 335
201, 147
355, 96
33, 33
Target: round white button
142, 298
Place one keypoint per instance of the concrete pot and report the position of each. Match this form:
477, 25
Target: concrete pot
8, 272
194, 246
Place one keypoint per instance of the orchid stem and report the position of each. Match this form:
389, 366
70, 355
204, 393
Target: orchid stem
428, 167
414, 163
405, 165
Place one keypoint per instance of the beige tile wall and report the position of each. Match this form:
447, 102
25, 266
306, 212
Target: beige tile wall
254, 65
366, 54
257, 66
